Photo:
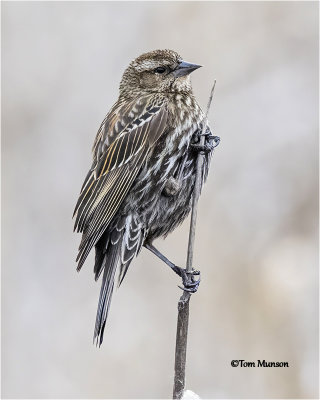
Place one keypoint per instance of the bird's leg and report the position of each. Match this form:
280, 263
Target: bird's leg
163, 258
210, 141
190, 285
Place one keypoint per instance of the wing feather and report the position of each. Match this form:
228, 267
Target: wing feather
102, 219
122, 145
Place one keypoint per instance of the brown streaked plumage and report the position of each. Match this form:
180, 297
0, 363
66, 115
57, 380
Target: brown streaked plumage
141, 180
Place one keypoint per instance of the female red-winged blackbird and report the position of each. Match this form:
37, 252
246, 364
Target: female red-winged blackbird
140, 184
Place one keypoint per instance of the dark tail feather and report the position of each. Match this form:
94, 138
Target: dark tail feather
114, 249
100, 250
109, 265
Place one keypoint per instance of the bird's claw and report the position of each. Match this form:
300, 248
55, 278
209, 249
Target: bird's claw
216, 140
210, 141
189, 283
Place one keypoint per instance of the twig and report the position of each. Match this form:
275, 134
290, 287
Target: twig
183, 304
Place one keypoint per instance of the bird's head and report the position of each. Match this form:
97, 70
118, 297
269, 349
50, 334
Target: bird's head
161, 71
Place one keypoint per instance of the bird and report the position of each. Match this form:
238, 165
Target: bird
141, 180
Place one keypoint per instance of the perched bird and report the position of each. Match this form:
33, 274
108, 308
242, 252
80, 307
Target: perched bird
141, 180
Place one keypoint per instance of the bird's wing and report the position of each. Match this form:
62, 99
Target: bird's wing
121, 146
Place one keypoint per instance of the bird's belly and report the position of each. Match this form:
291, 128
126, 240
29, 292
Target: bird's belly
169, 211
161, 211
158, 210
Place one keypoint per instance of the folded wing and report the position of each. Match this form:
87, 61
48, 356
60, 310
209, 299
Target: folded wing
123, 143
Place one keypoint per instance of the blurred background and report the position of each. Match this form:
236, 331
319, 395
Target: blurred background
257, 230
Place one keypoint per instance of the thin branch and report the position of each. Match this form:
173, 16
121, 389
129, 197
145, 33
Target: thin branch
197, 187
183, 304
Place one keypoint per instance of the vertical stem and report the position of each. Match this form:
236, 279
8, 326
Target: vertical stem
181, 345
194, 211
197, 187
183, 304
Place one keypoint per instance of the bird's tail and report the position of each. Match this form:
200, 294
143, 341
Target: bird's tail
115, 249
109, 266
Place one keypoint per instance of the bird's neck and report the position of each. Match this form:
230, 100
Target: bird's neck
171, 96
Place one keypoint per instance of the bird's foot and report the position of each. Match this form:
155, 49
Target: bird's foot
189, 283
210, 142
216, 141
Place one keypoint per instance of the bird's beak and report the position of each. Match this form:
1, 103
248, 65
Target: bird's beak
185, 68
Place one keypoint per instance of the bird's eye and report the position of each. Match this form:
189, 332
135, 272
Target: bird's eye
160, 70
